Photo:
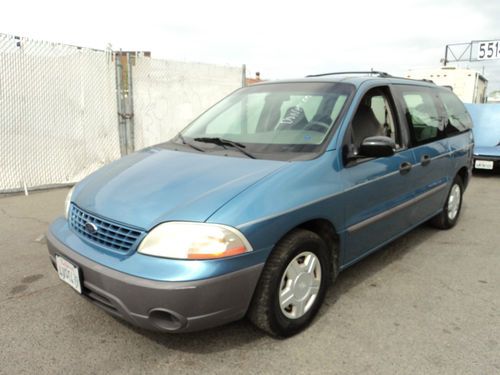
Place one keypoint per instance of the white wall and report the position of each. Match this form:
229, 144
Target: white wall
170, 94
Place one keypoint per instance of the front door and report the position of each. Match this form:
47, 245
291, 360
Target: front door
380, 190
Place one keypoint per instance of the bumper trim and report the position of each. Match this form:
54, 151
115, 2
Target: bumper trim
166, 306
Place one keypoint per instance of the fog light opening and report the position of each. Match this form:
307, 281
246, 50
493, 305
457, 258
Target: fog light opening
167, 320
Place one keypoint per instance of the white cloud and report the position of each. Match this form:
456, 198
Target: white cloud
278, 38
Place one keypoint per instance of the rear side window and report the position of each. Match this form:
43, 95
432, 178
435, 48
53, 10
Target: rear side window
458, 117
422, 114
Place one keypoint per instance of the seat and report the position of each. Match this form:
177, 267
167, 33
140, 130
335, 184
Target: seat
268, 120
365, 124
324, 118
294, 119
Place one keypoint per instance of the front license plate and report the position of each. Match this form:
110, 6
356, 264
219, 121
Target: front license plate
69, 273
483, 164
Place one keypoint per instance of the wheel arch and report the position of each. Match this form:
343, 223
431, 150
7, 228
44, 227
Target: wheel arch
327, 232
463, 173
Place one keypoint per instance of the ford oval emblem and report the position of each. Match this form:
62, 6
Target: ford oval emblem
91, 228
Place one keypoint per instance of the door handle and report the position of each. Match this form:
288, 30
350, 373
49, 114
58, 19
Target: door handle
405, 167
425, 160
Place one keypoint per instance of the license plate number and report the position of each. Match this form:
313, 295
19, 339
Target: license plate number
69, 273
483, 164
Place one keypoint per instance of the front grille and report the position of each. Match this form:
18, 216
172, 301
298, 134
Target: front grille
108, 234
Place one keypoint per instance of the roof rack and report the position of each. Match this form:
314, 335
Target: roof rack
371, 72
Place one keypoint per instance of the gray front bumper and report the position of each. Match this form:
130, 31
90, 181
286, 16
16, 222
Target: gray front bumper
163, 306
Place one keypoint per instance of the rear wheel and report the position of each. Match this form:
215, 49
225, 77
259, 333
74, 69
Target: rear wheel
451, 210
292, 286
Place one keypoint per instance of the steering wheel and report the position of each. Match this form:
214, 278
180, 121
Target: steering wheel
318, 126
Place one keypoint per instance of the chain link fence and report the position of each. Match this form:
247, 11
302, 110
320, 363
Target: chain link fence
58, 118
65, 111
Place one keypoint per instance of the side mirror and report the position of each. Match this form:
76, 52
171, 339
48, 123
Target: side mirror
378, 146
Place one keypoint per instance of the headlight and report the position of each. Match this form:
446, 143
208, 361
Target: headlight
67, 202
183, 240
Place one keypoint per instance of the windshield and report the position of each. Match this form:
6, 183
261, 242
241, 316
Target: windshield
279, 121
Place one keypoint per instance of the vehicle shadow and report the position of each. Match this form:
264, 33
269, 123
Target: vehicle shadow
375, 262
241, 333
486, 173
214, 340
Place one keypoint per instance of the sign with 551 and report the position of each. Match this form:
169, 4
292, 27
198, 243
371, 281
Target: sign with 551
488, 49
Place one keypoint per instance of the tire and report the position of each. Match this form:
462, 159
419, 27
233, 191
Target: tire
298, 252
448, 217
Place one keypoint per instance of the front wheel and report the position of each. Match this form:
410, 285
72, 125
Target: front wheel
451, 210
292, 286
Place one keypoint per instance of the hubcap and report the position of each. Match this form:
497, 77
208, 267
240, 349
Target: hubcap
454, 202
300, 285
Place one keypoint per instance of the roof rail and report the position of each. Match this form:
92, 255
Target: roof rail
371, 72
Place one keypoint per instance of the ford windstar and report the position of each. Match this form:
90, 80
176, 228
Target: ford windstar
256, 206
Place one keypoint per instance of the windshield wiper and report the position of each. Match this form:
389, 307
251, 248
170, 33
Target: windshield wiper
225, 142
184, 142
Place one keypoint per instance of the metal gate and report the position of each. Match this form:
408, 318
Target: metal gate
58, 118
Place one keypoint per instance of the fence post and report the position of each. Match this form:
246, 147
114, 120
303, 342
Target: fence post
130, 104
125, 104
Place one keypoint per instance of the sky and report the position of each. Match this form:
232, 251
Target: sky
280, 39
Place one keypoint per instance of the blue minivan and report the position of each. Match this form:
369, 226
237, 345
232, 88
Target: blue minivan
256, 206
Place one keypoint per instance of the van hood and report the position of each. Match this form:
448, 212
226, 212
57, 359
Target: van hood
157, 185
487, 151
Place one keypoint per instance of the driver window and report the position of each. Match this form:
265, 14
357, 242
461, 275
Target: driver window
375, 116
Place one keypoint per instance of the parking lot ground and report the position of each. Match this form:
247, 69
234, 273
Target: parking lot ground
427, 304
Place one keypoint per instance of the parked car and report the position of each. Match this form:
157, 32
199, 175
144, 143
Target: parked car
486, 135
256, 206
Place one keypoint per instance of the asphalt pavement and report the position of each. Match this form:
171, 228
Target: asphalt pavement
427, 304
